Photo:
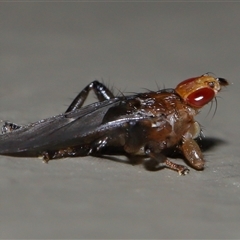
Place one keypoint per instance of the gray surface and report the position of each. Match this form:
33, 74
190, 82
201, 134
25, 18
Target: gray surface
50, 51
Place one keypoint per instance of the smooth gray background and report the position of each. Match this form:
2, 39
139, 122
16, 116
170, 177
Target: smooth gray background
50, 51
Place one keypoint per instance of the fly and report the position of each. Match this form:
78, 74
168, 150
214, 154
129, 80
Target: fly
150, 123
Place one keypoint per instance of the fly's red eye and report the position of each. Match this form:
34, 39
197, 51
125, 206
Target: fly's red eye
200, 97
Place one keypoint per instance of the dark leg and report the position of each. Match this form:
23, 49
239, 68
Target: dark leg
9, 127
101, 91
64, 153
81, 150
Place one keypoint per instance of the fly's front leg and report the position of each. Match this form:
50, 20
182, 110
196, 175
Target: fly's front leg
9, 127
163, 162
193, 154
101, 91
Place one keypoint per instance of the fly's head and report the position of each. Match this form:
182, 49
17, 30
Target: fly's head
199, 91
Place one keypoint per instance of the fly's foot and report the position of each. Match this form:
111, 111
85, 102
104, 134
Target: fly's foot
45, 157
182, 170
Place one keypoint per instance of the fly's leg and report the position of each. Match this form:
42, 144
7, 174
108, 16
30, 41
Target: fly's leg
101, 91
193, 154
163, 162
62, 153
135, 139
82, 150
9, 127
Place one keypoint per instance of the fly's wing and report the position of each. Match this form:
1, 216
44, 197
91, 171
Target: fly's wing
57, 132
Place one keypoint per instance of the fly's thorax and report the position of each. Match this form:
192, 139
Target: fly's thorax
157, 118
168, 128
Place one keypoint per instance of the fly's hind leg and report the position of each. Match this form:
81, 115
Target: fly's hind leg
82, 150
9, 127
46, 156
159, 161
76, 151
101, 91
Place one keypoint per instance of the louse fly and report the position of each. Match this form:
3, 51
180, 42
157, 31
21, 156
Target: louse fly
149, 124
